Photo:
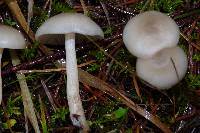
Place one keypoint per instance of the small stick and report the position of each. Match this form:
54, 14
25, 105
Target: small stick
190, 42
39, 60
84, 7
95, 82
51, 70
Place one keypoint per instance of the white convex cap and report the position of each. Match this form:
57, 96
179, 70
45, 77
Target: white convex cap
165, 69
11, 38
64, 23
64, 26
149, 32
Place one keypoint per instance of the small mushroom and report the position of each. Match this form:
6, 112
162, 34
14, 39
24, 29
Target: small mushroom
67, 24
12, 39
149, 32
163, 70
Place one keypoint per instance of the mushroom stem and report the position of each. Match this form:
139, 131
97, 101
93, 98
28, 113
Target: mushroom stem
1, 52
74, 101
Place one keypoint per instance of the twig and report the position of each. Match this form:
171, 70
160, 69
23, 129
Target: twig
130, 2
136, 86
95, 82
190, 42
119, 9
84, 7
49, 95
106, 12
39, 60
51, 70
120, 64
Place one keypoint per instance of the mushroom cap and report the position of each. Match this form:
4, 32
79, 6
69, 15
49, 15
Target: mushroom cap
55, 27
163, 70
11, 38
149, 32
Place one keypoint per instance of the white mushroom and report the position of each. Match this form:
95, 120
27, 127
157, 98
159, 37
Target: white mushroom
68, 24
163, 70
12, 39
149, 32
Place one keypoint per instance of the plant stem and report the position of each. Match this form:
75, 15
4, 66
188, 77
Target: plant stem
26, 96
74, 101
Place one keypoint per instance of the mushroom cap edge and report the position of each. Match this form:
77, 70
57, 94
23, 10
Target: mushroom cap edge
68, 23
11, 38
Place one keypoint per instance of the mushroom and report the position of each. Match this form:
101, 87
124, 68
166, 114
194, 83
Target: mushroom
67, 24
12, 39
149, 32
164, 69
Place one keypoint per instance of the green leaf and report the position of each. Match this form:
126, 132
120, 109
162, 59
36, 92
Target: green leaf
108, 30
59, 7
30, 53
129, 130
12, 109
9, 123
193, 81
43, 118
120, 113
196, 57
100, 56
9, 22
93, 67
60, 114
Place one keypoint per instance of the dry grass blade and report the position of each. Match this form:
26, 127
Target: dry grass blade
106, 12
30, 11
86, 78
26, 95
49, 95
84, 7
16, 12
136, 86
189, 41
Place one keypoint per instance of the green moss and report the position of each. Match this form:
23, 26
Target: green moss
108, 30
40, 16
59, 115
58, 7
9, 123
108, 115
196, 57
93, 67
99, 55
9, 21
193, 81
167, 6
30, 53
12, 107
